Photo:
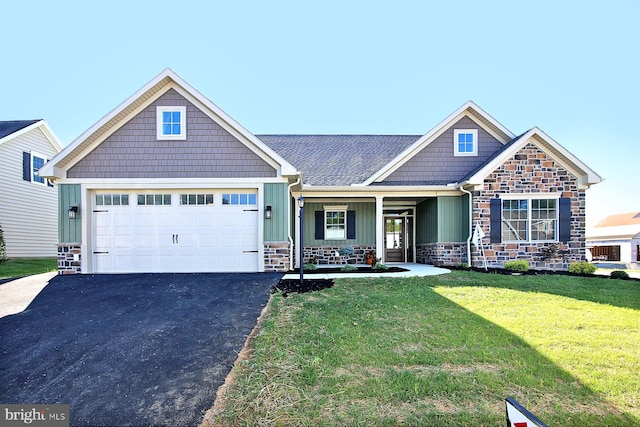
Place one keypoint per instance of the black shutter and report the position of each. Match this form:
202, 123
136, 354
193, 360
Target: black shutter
26, 166
564, 216
319, 225
351, 224
496, 220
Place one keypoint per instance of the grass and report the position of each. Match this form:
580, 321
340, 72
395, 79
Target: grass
18, 267
445, 350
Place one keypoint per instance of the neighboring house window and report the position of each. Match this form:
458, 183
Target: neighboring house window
335, 225
465, 142
171, 122
154, 199
196, 199
239, 199
112, 200
530, 219
31, 164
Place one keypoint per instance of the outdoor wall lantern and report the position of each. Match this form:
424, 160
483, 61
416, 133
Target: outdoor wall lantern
73, 211
267, 212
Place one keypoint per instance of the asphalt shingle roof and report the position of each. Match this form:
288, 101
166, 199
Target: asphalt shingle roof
11, 126
338, 160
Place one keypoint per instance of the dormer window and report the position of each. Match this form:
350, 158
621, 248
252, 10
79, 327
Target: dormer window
465, 142
171, 122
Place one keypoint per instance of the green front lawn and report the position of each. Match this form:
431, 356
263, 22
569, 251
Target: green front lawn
445, 350
18, 267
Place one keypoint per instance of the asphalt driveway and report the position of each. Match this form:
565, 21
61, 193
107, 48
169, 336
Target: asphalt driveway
135, 349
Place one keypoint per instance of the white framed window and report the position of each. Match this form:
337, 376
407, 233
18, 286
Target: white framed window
239, 199
532, 219
112, 199
154, 199
335, 224
202, 199
37, 161
465, 142
171, 122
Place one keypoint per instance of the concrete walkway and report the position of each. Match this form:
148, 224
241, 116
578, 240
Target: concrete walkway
16, 295
415, 270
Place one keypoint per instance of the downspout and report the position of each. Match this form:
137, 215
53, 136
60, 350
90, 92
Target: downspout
291, 266
470, 223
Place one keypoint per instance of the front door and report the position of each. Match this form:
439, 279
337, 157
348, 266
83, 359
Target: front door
394, 239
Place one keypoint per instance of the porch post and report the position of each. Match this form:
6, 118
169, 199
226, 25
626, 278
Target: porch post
379, 228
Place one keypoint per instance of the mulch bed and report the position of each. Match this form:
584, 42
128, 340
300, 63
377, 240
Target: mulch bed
287, 286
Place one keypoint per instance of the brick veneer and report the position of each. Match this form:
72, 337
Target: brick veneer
531, 171
67, 262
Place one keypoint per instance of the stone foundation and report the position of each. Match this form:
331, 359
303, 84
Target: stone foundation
328, 254
442, 254
276, 256
69, 258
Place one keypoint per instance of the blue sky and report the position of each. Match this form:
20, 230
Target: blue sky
363, 67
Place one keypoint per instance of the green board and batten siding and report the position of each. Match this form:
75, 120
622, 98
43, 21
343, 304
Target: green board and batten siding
275, 229
365, 223
69, 230
443, 219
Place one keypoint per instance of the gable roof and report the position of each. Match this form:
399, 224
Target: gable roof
159, 85
630, 218
338, 160
11, 126
469, 109
11, 129
586, 176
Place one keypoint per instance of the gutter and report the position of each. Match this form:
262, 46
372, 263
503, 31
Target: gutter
461, 187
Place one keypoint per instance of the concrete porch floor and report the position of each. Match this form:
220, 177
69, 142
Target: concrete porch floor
414, 270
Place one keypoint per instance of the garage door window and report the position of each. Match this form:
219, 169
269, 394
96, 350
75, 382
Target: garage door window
154, 199
239, 199
112, 200
205, 199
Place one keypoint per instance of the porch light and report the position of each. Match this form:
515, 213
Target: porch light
301, 201
267, 212
73, 211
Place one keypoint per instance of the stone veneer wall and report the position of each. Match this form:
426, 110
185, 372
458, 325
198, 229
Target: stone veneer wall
326, 254
442, 254
67, 263
276, 256
530, 171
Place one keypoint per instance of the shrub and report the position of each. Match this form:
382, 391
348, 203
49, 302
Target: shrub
462, 265
619, 274
582, 267
379, 266
348, 267
3, 253
310, 267
517, 266
346, 251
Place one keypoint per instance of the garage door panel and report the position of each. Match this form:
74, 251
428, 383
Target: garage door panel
176, 238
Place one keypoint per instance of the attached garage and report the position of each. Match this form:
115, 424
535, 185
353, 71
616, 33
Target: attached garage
210, 230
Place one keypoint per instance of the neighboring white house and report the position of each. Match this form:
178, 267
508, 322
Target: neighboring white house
616, 238
28, 202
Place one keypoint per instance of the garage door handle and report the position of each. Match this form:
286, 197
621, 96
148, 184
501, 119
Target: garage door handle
176, 239
101, 252
249, 252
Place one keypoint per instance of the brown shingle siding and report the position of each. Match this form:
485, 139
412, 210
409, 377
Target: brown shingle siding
134, 152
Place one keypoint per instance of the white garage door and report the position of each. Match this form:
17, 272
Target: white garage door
203, 231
